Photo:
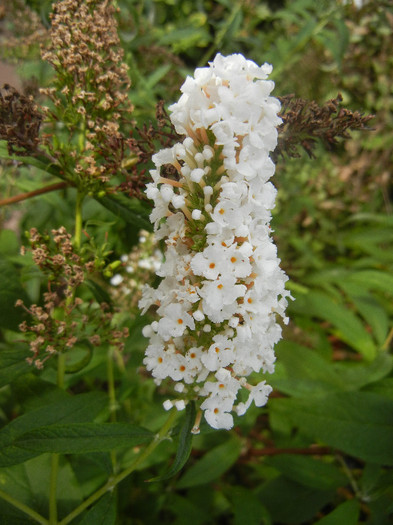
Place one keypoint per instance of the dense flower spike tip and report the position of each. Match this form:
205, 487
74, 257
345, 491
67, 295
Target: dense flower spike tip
222, 288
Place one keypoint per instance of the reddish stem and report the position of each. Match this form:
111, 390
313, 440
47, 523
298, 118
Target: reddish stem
29, 194
272, 451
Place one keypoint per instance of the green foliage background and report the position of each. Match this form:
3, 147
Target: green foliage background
333, 223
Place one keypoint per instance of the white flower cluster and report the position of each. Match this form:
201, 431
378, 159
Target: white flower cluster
222, 287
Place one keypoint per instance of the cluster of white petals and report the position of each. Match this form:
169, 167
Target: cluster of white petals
222, 288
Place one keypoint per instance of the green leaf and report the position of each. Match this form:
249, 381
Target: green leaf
212, 465
358, 423
10, 291
187, 512
13, 362
157, 75
348, 327
32, 392
29, 483
373, 314
185, 444
82, 438
358, 375
130, 210
383, 388
247, 508
74, 409
345, 514
102, 513
9, 244
290, 502
100, 294
373, 280
308, 471
39, 161
305, 371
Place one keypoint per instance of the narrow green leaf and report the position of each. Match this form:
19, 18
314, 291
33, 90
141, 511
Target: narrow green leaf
247, 508
100, 294
373, 280
345, 514
102, 513
305, 371
185, 444
358, 375
10, 291
9, 244
82, 438
130, 210
187, 511
39, 161
32, 392
13, 363
73, 409
373, 313
157, 75
383, 388
309, 472
358, 423
212, 465
292, 503
347, 324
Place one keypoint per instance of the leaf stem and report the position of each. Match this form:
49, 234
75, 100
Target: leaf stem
24, 508
389, 338
34, 193
78, 219
113, 481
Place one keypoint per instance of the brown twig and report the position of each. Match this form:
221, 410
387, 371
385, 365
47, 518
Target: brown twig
29, 194
314, 450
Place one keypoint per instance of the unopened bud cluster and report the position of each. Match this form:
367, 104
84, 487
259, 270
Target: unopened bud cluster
222, 288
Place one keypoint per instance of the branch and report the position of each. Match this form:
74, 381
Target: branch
313, 450
29, 194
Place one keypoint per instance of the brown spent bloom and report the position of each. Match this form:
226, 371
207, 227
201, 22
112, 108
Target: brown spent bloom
20, 122
65, 320
305, 122
144, 143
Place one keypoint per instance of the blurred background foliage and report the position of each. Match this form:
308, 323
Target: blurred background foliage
321, 451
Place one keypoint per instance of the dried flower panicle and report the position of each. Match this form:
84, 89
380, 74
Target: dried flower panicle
22, 31
144, 143
304, 123
20, 121
90, 90
65, 320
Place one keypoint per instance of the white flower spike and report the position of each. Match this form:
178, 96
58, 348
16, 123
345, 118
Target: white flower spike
222, 288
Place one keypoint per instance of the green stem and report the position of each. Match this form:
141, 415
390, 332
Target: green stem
350, 477
112, 397
53, 489
112, 482
61, 366
111, 387
55, 457
78, 219
24, 508
389, 339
